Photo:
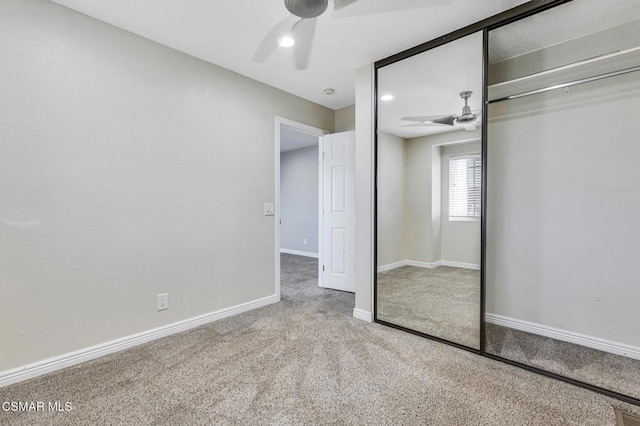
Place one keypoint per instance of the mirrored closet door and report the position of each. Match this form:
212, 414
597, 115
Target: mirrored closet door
429, 180
563, 193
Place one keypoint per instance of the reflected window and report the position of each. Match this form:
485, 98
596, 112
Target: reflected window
465, 187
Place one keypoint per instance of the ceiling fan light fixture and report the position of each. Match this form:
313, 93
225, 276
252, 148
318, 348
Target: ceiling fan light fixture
306, 9
286, 41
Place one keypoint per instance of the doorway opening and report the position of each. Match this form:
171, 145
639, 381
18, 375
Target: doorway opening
315, 204
298, 199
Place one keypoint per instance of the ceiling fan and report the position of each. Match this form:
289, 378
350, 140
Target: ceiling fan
468, 118
297, 30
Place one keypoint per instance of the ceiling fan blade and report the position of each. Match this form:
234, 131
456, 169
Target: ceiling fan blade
423, 125
303, 33
446, 120
270, 42
351, 8
423, 118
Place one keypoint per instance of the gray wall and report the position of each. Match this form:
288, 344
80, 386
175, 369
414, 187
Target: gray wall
392, 160
364, 192
127, 169
563, 208
345, 119
413, 199
460, 240
421, 245
422, 239
299, 199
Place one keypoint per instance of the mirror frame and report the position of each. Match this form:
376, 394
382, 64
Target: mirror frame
442, 41
485, 26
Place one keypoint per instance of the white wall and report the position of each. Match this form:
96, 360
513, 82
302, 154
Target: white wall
299, 199
460, 240
391, 198
127, 169
563, 208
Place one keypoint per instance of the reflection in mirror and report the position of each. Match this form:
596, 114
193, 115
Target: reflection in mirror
429, 175
563, 190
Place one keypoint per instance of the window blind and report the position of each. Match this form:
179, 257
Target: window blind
465, 186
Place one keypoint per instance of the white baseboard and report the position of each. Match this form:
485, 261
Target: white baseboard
87, 354
402, 263
362, 315
391, 266
417, 264
299, 253
421, 264
566, 336
460, 265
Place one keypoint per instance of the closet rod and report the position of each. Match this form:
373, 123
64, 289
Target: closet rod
569, 84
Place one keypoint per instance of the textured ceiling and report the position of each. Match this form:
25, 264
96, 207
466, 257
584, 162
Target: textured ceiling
566, 22
227, 33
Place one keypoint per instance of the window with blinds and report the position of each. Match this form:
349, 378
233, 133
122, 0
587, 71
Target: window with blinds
465, 187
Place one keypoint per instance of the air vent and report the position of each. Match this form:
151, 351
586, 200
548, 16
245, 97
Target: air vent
626, 419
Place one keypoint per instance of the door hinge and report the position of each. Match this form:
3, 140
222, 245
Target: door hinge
323, 155
322, 268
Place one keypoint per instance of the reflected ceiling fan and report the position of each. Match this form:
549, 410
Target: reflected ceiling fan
468, 118
297, 30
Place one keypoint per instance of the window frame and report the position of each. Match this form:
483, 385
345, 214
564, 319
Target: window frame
470, 156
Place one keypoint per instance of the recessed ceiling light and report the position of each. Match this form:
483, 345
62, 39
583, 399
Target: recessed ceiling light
386, 98
286, 41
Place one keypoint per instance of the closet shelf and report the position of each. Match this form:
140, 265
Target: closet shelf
586, 69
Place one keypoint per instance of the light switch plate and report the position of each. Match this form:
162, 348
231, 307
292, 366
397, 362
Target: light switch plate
269, 209
163, 301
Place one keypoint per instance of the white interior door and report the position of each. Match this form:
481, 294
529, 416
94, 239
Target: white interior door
338, 219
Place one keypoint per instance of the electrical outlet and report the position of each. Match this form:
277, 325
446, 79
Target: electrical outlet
163, 301
304, 241
269, 209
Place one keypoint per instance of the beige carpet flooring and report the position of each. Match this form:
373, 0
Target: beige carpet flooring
609, 371
442, 302
304, 361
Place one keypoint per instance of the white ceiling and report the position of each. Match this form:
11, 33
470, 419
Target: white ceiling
227, 33
430, 84
291, 139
